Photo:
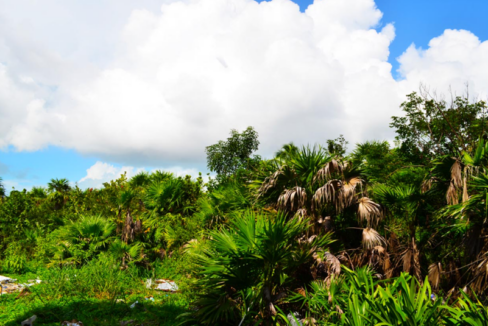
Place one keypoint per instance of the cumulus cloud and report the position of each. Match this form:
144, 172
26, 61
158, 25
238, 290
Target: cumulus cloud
178, 78
453, 59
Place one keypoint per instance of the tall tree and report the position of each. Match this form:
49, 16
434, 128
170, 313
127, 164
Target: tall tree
227, 157
433, 127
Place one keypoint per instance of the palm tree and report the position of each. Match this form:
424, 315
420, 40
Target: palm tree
314, 185
252, 266
59, 185
286, 152
408, 208
59, 190
82, 239
471, 219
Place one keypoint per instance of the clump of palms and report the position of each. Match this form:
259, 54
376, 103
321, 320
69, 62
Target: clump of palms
249, 269
222, 204
471, 217
319, 187
81, 240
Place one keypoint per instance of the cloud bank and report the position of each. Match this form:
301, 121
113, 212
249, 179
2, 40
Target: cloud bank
159, 83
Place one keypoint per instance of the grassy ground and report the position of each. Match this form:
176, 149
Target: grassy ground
97, 294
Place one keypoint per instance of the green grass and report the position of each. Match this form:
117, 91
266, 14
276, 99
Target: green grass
92, 311
99, 293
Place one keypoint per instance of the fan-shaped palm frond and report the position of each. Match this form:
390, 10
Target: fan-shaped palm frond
329, 169
58, 185
327, 193
369, 211
164, 197
371, 238
141, 179
161, 176
435, 272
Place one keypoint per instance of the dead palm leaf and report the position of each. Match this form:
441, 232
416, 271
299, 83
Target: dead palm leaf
480, 274
456, 173
435, 271
327, 193
270, 182
369, 211
371, 238
347, 192
380, 259
328, 170
452, 195
427, 185
465, 188
333, 263
301, 213
411, 260
293, 199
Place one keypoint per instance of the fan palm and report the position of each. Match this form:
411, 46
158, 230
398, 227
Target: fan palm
314, 184
58, 192
472, 217
82, 239
251, 267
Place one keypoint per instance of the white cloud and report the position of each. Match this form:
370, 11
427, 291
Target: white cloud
453, 59
102, 172
159, 85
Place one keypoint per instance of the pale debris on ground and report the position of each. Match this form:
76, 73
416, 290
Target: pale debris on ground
162, 285
9, 285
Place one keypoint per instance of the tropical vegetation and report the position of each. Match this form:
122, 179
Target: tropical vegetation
381, 234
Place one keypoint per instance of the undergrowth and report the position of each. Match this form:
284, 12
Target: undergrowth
98, 293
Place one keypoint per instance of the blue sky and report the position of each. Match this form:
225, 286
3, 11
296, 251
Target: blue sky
37, 161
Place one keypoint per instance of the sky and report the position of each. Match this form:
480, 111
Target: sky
91, 89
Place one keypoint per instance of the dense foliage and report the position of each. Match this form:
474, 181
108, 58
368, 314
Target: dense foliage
380, 235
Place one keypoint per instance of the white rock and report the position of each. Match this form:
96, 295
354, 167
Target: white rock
166, 286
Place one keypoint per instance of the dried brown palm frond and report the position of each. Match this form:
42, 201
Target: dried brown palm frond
411, 260
138, 226
456, 173
270, 182
480, 274
128, 228
465, 196
333, 263
371, 238
435, 272
427, 184
301, 213
347, 192
452, 195
327, 193
293, 199
369, 211
329, 169
383, 260
393, 243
